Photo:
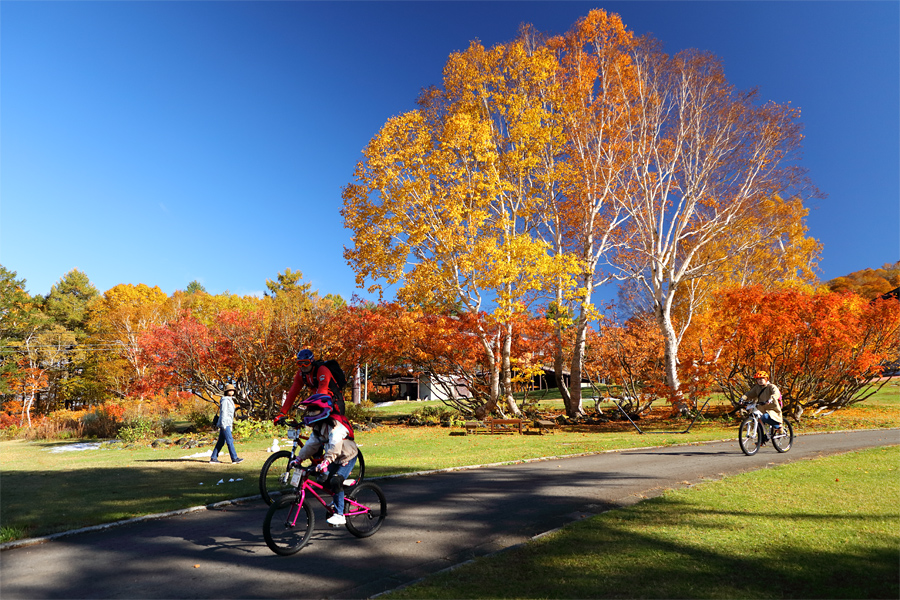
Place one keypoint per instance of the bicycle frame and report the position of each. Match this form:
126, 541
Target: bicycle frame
757, 417
304, 485
294, 435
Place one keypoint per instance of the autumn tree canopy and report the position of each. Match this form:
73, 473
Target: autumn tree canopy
823, 350
448, 197
543, 167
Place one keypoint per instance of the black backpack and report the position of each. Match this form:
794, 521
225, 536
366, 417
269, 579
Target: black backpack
338, 381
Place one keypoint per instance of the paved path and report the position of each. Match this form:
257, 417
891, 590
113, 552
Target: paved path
434, 521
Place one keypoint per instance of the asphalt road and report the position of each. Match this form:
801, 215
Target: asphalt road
434, 521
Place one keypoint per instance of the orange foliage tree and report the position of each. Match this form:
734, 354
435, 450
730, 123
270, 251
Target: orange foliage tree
251, 346
630, 359
824, 351
377, 338
391, 339
449, 350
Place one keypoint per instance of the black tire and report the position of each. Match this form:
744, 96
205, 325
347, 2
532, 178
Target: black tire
369, 495
283, 537
785, 439
750, 436
273, 477
358, 473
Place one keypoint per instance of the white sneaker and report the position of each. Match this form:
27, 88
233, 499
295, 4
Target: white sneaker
336, 520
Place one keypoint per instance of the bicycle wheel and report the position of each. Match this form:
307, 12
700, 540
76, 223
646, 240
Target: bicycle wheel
784, 440
288, 525
367, 500
358, 472
274, 479
749, 436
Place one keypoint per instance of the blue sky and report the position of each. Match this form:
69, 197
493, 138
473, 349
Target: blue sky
165, 142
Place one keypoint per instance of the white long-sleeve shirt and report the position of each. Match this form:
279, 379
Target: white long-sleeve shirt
333, 441
226, 411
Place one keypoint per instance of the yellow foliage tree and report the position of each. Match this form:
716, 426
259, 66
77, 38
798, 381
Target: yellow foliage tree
445, 199
116, 321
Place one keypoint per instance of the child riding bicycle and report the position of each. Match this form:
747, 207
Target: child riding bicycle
332, 438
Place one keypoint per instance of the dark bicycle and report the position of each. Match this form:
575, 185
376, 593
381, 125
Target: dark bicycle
275, 474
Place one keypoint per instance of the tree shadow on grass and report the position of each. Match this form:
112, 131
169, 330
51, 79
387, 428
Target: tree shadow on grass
612, 558
175, 460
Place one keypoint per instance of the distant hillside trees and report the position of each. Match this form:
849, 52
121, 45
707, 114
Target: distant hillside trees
868, 283
135, 348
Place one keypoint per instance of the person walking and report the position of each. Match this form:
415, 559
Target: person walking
226, 420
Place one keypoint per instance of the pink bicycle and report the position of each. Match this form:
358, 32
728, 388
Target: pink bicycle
290, 521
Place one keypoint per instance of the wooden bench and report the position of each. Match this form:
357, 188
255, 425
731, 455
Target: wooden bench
545, 425
497, 424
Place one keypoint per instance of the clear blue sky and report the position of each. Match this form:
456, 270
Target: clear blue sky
165, 142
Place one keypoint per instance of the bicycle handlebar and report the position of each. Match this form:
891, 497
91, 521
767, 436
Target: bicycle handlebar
311, 473
751, 407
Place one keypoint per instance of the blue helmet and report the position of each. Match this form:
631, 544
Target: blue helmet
305, 355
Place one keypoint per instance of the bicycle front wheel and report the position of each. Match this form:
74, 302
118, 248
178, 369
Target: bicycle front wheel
366, 509
750, 436
274, 478
288, 525
784, 440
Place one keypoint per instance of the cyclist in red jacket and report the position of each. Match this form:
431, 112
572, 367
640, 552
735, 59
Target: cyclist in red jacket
315, 376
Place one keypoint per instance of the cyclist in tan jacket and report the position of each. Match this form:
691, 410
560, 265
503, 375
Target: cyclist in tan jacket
768, 400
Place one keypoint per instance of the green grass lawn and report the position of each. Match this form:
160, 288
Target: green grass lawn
828, 528
43, 492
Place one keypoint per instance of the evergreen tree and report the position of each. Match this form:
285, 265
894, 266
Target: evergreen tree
194, 287
68, 300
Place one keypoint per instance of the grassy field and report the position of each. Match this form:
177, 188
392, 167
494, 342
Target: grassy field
44, 492
828, 528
